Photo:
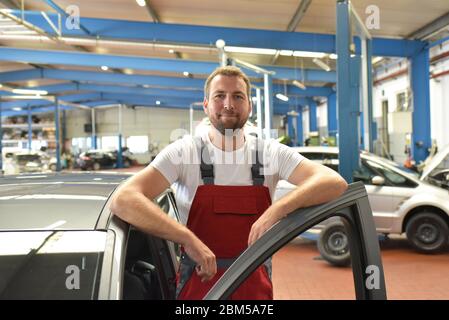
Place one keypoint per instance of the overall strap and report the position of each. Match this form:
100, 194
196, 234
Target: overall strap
206, 166
257, 176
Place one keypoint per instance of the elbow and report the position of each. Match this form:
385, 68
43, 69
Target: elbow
118, 204
341, 185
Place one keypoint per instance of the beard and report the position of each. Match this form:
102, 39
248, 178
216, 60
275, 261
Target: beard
232, 122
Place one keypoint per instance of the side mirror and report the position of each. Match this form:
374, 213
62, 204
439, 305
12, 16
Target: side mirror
378, 181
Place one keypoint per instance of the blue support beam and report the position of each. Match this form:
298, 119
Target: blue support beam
97, 60
332, 127
142, 63
64, 14
347, 113
313, 126
299, 128
207, 35
421, 141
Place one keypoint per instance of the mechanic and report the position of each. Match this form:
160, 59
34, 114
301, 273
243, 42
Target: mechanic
224, 181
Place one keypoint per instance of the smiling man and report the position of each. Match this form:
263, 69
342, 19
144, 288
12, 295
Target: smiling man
224, 194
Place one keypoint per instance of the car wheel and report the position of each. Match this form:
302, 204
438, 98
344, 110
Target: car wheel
333, 244
96, 166
427, 232
126, 164
53, 167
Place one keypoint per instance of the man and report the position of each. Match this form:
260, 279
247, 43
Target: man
224, 198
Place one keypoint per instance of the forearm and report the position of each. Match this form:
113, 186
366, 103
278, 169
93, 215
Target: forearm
317, 189
136, 209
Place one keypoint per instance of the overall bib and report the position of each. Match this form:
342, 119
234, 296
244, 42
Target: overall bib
221, 217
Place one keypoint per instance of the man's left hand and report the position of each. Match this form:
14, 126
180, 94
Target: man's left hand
265, 221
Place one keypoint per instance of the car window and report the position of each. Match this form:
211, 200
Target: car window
394, 178
364, 174
51, 264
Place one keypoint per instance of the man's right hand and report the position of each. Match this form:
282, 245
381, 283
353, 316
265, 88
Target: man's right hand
206, 263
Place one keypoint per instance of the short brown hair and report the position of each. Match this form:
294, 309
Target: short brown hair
229, 71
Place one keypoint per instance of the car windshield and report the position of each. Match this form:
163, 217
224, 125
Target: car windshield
24, 158
51, 264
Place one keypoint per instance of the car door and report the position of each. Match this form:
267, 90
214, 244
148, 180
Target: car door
354, 209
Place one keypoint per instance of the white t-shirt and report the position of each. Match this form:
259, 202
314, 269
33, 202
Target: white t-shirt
179, 163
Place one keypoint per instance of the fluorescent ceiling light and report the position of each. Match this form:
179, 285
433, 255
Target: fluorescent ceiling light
186, 73
333, 56
287, 53
158, 102
141, 3
308, 54
30, 91
104, 68
1, 85
250, 50
282, 97
321, 64
299, 84
17, 109
26, 97
171, 51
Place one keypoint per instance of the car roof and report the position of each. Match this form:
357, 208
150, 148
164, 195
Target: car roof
62, 201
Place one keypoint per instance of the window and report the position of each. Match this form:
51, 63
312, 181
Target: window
394, 178
137, 144
402, 101
364, 174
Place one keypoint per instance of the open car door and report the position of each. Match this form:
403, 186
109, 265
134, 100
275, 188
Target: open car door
354, 209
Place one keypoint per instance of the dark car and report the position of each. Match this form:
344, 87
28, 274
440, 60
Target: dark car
101, 159
59, 240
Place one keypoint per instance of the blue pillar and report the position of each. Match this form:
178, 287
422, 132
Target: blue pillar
291, 129
30, 129
347, 113
58, 147
332, 127
94, 130
312, 115
421, 140
299, 129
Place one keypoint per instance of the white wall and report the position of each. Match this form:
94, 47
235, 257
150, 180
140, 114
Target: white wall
439, 101
159, 124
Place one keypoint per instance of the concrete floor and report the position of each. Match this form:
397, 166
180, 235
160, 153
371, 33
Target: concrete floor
300, 273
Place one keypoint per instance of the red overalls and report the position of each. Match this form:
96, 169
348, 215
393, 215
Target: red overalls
221, 217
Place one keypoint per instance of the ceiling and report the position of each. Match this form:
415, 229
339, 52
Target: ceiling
398, 19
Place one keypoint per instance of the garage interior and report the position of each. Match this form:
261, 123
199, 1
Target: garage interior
105, 85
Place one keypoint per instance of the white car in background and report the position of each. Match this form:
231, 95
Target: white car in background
401, 201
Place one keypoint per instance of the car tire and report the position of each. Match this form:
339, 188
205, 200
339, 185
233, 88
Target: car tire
96, 166
53, 167
333, 244
427, 232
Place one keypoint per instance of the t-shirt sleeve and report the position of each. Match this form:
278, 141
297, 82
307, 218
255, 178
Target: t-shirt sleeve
283, 159
169, 161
